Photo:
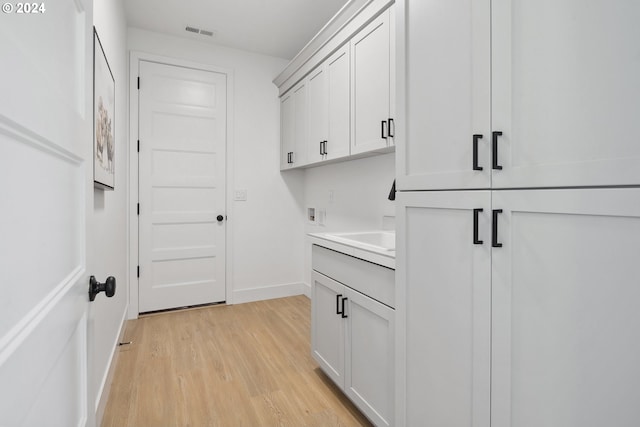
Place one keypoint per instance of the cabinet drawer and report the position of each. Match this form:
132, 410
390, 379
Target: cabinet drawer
373, 280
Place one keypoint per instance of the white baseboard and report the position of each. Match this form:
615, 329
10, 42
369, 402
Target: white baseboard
107, 379
306, 290
268, 292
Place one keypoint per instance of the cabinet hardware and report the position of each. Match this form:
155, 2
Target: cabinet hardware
494, 231
382, 135
494, 149
391, 125
476, 241
338, 304
323, 148
344, 315
476, 138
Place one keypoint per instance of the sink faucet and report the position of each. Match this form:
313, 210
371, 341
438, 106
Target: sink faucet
392, 193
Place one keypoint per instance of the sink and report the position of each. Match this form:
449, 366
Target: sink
385, 240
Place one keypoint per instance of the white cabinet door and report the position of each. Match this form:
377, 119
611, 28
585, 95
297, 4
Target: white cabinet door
565, 346
370, 87
443, 91
369, 357
338, 77
444, 295
566, 92
301, 129
318, 106
293, 127
327, 326
287, 130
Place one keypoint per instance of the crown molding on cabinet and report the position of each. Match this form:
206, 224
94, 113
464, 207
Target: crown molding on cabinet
349, 20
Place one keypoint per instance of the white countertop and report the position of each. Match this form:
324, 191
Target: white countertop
342, 242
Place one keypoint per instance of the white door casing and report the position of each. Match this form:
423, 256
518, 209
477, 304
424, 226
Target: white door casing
46, 149
182, 162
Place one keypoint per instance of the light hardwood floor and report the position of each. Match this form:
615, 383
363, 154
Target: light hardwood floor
241, 365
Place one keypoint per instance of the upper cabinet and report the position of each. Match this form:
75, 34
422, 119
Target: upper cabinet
328, 107
371, 85
344, 102
446, 45
505, 94
294, 127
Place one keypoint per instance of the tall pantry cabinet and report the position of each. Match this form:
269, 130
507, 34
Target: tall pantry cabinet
518, 163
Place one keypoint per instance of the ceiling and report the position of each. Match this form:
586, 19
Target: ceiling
271, 27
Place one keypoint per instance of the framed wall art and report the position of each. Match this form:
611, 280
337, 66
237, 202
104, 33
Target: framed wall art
104, 108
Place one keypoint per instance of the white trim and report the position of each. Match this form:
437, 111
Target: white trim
19, 133
23, 328
134, 61
271, 292
306, 290
102, 394
345, 24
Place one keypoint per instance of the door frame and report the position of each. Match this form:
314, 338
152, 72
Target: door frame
133, 233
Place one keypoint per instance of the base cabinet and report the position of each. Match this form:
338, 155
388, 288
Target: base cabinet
352, 339
545, 279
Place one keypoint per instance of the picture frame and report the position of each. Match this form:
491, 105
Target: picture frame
104, 93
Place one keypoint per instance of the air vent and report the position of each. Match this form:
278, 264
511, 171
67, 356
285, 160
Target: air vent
199, 31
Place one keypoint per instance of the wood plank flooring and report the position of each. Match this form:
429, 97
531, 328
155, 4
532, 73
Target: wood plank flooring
241, 365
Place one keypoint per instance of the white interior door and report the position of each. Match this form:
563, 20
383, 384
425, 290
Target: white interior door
46, 171
565, 316
182, 131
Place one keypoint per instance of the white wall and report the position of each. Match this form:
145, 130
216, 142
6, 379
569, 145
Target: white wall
107, 222
267, 231
360, 197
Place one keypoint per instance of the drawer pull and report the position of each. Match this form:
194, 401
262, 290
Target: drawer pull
344, 315
476, 240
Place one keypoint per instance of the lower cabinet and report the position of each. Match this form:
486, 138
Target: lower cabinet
353, 342
518, 308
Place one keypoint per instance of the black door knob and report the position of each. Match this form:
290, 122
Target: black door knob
95, 287
220, 218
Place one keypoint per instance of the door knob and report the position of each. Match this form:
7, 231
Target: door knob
220, 218
95, 287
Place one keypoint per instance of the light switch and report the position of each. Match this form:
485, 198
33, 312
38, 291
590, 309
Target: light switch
241, 195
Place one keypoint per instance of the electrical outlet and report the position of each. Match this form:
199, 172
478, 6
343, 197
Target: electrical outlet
240, 195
